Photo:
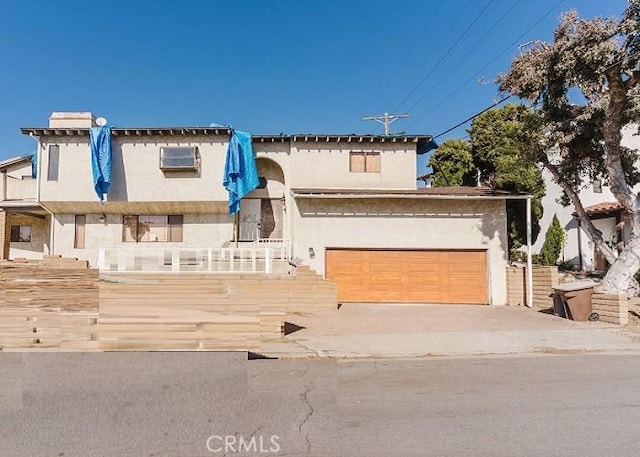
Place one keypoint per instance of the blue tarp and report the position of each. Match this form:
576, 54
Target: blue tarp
240, 171
101, 159
34, 165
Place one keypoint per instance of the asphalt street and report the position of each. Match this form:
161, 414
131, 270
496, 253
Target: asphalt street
221, 404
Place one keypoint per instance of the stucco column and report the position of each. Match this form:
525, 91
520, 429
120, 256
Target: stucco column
5, 234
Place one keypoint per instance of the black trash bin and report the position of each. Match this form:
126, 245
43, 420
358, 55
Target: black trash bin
573, 300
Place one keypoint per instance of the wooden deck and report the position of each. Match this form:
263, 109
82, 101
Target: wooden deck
53, 307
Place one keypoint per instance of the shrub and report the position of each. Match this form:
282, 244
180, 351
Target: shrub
553, 243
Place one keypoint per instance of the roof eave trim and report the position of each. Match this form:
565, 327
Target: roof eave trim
409, 196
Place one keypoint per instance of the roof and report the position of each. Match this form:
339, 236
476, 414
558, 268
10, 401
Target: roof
463, 192
425, 176
14, 160
603, 208
218, 131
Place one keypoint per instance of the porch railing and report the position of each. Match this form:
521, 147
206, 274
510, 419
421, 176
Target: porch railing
218, 260
280, 247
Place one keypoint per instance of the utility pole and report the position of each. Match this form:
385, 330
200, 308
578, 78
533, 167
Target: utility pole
385, 119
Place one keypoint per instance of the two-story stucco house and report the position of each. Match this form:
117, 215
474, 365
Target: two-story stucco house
346, 205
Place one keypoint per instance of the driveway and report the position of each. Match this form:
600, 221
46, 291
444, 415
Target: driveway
392, 330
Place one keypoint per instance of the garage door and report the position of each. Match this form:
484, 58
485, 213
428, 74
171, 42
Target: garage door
402, 276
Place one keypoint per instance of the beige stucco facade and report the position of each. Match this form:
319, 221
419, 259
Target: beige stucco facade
199, 231
136, 174
140, 187
404, 224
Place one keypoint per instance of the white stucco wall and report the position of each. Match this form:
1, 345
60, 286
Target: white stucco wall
588, 197
199, 230
136, 173
17, 183
327, 165
409, 224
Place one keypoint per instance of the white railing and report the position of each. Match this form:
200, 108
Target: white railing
214, 260
280, 247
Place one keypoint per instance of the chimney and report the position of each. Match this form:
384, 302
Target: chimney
77, 120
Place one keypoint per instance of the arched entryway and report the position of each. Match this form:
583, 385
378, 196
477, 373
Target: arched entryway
262, 211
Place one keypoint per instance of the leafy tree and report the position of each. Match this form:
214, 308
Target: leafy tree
501, 144
497, 140
553, 243
586, 84
452, 163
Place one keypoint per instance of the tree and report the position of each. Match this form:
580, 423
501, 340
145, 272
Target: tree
452, 162
497, 139
586, 84
553, 243
500, 141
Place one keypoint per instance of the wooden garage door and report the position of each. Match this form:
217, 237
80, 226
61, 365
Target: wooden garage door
432, 276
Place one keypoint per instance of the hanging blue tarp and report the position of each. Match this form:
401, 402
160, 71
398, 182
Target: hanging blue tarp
101, 159
34, 165
240, 171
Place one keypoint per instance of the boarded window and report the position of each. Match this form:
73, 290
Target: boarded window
372, 162
364, 162
356, 162
152, 228
175, 227
54, 162
20, 233
81, 222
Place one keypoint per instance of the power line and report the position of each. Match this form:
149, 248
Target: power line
516, 41
502, 100
410, 50
464, 33
533, 105
478, 42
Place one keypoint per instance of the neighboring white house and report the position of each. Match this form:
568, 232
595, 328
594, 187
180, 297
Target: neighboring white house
347, 205
26, 236
601, 205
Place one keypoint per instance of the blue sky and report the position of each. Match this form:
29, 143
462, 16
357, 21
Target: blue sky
264, 66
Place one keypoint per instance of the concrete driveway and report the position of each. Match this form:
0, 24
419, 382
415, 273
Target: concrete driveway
393, 330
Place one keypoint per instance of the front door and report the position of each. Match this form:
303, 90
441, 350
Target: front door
249, 219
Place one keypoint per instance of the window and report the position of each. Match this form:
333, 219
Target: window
364, 162
20, 233
178, 158
152, 228
81, 222
597, 186
54, 160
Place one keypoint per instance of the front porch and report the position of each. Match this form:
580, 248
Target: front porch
24, 232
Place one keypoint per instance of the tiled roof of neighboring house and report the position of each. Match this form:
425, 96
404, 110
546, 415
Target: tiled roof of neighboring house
430, 192
603, 208
13, 160
217, 131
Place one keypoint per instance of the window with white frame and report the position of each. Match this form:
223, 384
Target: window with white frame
178, 158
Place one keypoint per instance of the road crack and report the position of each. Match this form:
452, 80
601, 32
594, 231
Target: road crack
304, 396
